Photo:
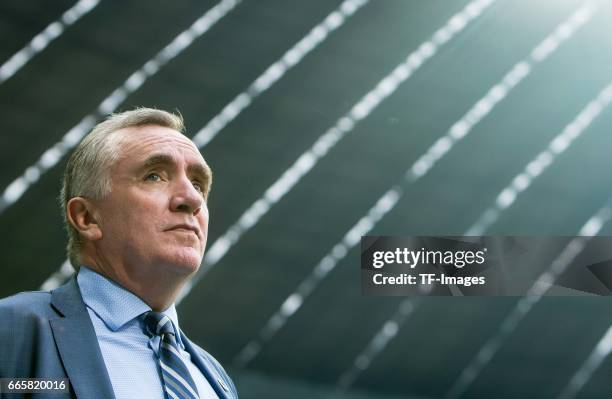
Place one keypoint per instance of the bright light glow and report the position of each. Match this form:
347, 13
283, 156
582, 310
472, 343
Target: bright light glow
442, 146
541, 162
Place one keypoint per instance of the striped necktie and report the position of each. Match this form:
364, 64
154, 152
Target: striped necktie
177, 381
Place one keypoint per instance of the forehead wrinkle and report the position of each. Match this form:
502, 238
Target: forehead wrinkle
158, 159
202, 170
142, 138
164, 148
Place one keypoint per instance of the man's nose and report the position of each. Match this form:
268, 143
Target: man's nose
185, 197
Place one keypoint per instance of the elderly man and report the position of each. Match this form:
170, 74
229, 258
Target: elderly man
134, 200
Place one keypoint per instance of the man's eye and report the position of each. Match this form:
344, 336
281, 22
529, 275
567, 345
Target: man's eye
198, 186
153, 177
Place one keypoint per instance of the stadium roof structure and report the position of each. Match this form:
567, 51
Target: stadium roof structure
324, 121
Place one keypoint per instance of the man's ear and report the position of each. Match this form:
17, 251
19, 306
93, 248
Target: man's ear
81, 215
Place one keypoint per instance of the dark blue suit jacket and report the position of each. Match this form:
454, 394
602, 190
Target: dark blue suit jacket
50, 335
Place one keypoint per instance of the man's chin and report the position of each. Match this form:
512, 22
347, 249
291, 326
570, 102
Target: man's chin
186, 262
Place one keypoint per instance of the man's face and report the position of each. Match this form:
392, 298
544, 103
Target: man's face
155, 216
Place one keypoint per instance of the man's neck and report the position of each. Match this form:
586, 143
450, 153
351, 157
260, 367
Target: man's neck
157, 289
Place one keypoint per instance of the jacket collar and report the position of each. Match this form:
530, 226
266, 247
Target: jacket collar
77, 344
217, 382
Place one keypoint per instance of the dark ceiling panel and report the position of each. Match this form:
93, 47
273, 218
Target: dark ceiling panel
20, 21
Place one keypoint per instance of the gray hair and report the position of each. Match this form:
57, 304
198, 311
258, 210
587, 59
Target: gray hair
87, 173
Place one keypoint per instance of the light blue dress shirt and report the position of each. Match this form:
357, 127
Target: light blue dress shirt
129, 353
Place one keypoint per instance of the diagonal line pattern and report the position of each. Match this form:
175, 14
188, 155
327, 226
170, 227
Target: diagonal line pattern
557, 146
176, 377
525, 304
261, 84
540, 163
53, 155
583, 374
276, 71
389, 199
304, 163
378, 343
44, 38
171, 376
171, 385
504, 200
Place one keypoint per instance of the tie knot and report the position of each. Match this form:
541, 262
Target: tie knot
158, 323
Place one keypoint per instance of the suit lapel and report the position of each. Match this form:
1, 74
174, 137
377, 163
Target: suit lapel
215, 380
77, 344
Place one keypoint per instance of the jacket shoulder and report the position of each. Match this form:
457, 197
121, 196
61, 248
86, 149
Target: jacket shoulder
23, 325
24, 300
25, 305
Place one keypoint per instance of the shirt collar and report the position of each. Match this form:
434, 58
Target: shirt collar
115, 305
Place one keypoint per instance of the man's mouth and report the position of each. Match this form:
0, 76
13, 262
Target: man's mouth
186, 228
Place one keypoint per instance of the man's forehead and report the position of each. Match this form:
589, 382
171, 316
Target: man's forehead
143, 142
165, 158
